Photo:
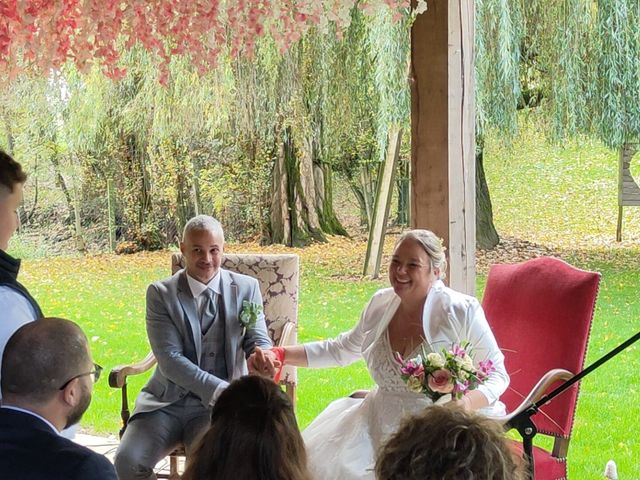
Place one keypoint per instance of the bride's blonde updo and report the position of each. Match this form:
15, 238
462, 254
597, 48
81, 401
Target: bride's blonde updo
431, 244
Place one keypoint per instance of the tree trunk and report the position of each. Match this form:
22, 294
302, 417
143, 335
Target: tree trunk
80, 243
486, 234
359, 194
294, 217
403, 182
280, 225
195, 187
329, 222
62, 184
111, 212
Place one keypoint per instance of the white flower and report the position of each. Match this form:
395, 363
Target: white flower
414, 384
467, 362
435, 360
421, 7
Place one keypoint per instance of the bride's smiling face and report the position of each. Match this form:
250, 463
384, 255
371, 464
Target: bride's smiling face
410, 272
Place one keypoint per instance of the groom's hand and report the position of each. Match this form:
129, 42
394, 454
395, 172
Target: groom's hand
263, 362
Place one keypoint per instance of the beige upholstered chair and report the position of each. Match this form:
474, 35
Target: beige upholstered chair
278, 279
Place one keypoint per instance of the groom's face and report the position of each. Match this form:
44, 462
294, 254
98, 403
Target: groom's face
202, 251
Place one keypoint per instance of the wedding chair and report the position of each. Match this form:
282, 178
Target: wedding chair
278, 279
540, 312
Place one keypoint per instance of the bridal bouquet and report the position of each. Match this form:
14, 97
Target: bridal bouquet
450, 372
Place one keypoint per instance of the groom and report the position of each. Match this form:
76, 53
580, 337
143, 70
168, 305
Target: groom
194, 328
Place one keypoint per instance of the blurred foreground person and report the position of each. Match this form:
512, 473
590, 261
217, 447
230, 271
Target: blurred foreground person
448, 443
253, 435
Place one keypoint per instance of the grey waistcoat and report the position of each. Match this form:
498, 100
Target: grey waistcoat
213, 342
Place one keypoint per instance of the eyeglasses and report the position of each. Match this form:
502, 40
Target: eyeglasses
96, 375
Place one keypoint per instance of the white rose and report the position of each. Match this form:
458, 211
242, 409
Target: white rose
414, 384
467, 362
435, 360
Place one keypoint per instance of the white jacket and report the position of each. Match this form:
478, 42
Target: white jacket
448, 317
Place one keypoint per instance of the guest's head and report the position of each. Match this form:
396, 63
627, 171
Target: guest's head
202, 246
418, 260
253, 435
12, 178
47, 369
444, 443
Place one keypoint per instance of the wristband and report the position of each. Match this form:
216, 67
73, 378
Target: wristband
279, 353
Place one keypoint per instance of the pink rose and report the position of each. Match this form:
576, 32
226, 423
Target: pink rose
440, 381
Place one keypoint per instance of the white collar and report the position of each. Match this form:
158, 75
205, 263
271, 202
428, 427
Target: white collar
34, 414
197, 287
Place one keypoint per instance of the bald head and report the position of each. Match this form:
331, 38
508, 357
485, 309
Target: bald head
40, 357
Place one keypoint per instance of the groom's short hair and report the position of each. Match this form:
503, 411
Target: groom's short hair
203, 222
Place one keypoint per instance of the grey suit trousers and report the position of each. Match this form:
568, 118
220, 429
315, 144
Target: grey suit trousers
151, 436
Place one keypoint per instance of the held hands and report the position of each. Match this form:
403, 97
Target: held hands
266, 362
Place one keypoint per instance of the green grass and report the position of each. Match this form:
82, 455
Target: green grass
105, 294
562, 197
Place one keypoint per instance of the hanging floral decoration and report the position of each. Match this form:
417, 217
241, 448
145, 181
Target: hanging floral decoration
44, 34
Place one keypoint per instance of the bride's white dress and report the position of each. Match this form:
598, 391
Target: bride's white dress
342, 441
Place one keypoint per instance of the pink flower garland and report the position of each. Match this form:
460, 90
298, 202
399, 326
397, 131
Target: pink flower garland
44, 34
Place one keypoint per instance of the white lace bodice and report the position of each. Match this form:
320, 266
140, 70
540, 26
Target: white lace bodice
384, 368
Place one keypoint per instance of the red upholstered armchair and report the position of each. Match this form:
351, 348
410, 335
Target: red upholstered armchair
540, 312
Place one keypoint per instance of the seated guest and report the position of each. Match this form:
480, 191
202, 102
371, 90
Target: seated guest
197, 336
47, 379
253, 435
444, 443
18, 306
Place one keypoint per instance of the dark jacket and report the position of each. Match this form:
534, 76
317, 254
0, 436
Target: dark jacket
30, 450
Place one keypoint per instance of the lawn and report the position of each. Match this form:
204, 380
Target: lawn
563, 197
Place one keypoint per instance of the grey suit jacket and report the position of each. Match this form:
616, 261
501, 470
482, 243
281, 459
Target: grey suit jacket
173, 328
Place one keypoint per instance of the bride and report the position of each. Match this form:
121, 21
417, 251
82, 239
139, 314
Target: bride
418, 312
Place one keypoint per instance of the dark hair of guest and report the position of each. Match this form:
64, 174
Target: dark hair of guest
253, 435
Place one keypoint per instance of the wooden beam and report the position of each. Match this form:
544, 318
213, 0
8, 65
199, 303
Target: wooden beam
380, 217
443, 132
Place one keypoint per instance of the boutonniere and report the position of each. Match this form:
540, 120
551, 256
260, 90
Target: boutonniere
249, 315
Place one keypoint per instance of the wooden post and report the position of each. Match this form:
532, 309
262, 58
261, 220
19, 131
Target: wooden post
380, 216
443, 132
